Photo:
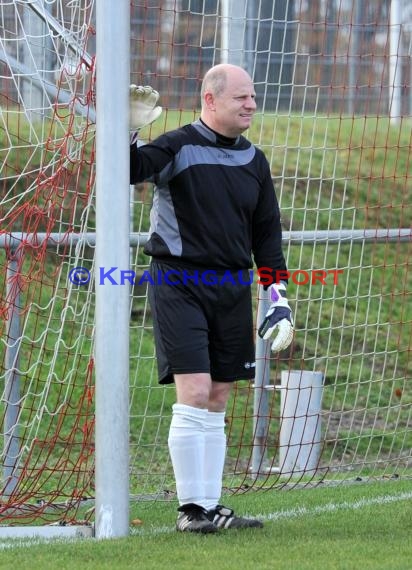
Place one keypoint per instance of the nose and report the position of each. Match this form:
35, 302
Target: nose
251, 103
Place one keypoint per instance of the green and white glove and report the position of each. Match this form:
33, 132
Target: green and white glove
143, 108
278, 318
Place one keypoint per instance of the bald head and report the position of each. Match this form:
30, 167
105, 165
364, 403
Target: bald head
217, 77
228, 99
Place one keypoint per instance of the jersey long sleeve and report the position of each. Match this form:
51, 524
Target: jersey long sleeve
214, 204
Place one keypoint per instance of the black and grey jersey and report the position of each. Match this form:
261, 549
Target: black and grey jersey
214, 203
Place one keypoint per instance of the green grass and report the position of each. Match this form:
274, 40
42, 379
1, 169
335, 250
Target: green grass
348, 527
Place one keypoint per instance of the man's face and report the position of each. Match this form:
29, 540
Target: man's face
235, 107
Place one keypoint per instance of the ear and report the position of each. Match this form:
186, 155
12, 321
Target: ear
210, 101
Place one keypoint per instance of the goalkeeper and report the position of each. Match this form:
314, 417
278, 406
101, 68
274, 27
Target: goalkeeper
214, 208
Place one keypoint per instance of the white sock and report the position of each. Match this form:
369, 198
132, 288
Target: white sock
187, 451
215, 453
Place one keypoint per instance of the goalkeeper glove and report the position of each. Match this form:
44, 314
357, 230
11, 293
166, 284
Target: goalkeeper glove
142, 106
279, 316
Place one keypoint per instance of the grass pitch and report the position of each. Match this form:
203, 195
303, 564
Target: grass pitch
350, 526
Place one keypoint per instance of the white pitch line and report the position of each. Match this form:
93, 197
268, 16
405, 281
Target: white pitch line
299, 511
333, 507
275, 516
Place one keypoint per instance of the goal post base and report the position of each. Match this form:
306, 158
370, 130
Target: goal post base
46, 532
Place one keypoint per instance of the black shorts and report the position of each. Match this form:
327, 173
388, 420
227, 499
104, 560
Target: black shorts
203, 322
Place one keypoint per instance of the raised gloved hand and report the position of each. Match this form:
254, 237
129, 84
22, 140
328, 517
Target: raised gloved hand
278, 318
143, 109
